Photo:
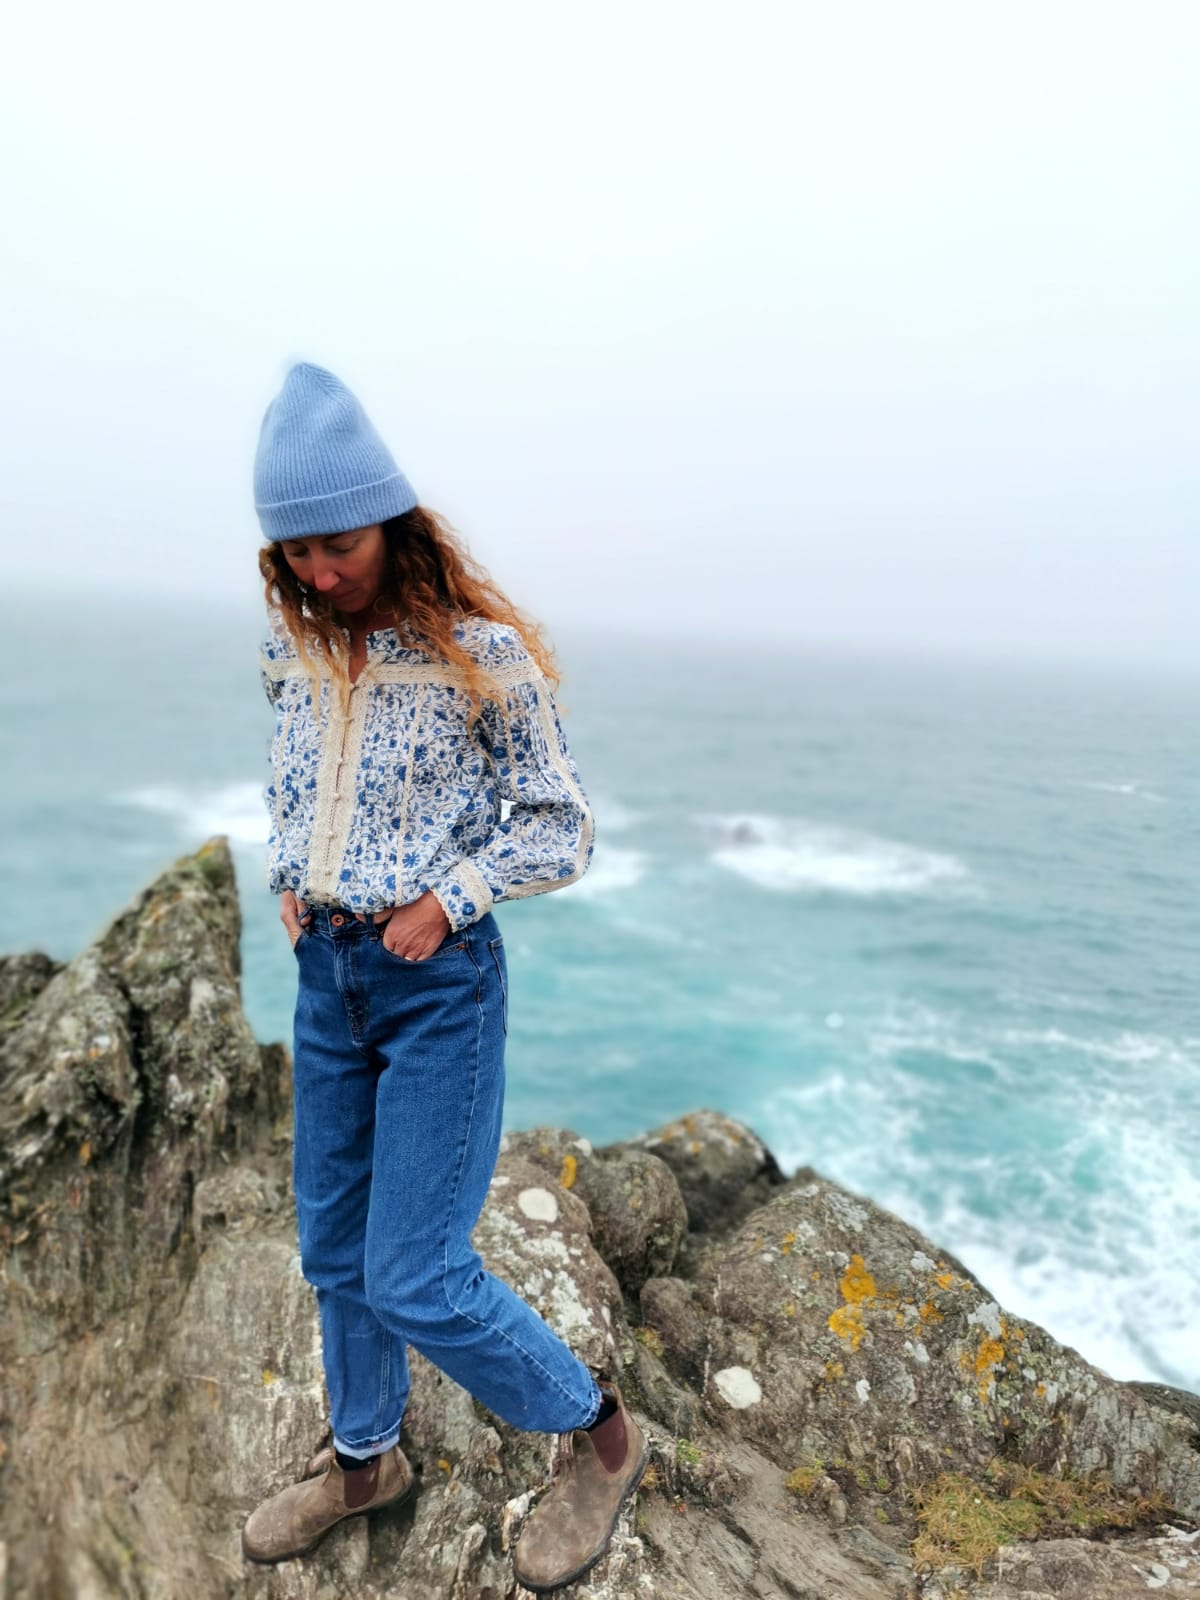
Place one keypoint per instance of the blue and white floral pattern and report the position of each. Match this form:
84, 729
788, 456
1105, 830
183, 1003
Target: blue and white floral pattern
371, 808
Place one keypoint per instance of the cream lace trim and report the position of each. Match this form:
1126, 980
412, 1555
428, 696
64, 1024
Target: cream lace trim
521, 891
337, 779
509, 676
474, 884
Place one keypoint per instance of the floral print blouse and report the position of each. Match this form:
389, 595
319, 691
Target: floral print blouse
370, 809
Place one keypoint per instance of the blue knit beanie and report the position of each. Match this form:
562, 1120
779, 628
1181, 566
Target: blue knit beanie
320, 466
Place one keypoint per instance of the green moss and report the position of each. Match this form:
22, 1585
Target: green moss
963, 1521
803, 1479
213, 863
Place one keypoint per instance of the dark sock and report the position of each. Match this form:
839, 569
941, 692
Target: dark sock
351, 1463
608, 1408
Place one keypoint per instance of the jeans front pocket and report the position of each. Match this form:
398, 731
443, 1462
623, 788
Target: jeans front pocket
496, 946
453, 941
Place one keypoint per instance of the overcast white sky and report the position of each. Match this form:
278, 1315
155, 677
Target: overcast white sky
873, 323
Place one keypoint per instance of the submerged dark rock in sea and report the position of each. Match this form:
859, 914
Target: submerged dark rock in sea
809, 1369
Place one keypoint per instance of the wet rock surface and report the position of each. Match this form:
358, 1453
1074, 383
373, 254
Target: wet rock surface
803, 1361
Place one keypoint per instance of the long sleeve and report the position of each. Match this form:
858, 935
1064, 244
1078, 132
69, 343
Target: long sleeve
545, 842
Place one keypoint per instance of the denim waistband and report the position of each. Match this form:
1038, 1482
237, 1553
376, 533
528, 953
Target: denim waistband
340, 922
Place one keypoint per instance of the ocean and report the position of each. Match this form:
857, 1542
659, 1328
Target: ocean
930, 927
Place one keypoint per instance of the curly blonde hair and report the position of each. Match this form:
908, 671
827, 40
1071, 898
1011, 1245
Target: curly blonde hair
431, 581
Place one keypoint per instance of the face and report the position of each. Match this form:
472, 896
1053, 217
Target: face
347, 567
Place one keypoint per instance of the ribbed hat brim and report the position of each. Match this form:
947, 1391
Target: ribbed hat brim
358, 507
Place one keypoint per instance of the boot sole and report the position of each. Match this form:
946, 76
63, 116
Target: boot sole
291, 1555
570, 1577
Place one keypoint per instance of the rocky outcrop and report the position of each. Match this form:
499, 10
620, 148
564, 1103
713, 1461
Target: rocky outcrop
808, 1368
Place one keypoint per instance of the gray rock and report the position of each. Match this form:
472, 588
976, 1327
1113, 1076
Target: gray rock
160, 1356
722, 1168
835, 1330
1082, 1569
637, 1212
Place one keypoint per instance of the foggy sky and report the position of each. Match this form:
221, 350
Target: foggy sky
871, 324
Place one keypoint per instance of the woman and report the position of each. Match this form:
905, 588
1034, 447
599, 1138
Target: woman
411, 699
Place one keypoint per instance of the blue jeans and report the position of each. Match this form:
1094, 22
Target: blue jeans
399, 1089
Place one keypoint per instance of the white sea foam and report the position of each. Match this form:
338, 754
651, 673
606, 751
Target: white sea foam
1133, 788
612, 869
1127, 1296
793, 854
1125, 1048
1109, 1265
235, 809
908, 1026
611, 815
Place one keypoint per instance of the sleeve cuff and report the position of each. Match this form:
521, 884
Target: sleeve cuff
463, 895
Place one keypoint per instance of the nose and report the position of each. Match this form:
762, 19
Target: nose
323, 575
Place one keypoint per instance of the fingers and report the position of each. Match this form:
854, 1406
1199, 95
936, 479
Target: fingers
410, 949
403, 954
292, 913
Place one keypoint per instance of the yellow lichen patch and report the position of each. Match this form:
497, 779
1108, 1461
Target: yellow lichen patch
815, 1277
787, 1242
650, 1337
695, 1147
899, 1319
858, 1287
267, 1375
789, 1309
929, 1312
570, 1167
85, 1151
444, 1466
945, 1280
689, 1123
988, 1357
856, 1283
1040, 1391
847, 1323
834, 1369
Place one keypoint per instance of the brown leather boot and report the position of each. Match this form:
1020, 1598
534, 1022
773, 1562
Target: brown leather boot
291, 1522
594, 1474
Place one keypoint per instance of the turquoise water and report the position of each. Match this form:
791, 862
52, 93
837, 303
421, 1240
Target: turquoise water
929, 928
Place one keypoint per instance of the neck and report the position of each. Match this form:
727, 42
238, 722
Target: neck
360, 623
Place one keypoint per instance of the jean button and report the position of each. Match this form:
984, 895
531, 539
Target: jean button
337, 919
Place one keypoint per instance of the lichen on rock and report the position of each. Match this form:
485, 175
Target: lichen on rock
805, 1364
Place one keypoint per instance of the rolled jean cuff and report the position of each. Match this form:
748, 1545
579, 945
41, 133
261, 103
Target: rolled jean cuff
594, 1408
363, 1452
